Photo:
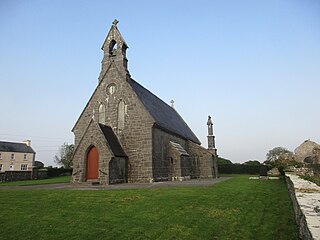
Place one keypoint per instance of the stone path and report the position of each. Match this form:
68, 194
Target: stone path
76, 186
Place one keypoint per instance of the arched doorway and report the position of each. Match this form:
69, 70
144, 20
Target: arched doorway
92, 163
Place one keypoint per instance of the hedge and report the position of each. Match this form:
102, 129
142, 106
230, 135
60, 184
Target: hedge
241, 169
57, 172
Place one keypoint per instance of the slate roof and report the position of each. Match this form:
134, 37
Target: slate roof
113, 141
15, 147
165, 116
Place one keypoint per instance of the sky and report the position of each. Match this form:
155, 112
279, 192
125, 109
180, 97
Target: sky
254, 66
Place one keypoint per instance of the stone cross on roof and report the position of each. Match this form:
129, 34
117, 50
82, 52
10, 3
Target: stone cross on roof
172, 103
115, 22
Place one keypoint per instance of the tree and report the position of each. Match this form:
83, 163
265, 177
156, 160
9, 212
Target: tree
280, 158
252, 163
221, 161
279, 154
64, 157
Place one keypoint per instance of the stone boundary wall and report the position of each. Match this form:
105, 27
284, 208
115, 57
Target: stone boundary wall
11, 176
305, 198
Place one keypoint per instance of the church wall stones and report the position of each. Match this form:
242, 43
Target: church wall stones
162, 162
206, 165
80, 156
308, 152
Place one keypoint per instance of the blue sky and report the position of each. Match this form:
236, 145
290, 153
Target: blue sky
254, 66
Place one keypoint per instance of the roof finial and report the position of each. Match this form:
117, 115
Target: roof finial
172, 103
115, 22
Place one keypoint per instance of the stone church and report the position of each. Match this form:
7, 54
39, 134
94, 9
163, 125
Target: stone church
127, 134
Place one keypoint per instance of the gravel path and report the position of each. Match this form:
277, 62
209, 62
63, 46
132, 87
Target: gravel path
85, 186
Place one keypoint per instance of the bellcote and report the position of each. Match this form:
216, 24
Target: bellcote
114, 48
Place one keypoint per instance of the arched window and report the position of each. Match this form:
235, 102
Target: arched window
113, 48
102, 114
121, 115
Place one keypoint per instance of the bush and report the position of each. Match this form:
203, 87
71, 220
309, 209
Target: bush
57, 172
239, 169
222, 161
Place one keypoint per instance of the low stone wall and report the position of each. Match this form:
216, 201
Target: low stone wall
11, 176
305, 197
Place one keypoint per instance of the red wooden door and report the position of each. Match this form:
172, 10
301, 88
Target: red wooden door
92, 163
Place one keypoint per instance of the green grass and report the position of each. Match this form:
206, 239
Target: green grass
63, 179
235, 209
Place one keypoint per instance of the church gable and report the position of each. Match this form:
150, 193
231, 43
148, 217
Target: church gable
114, 103
92, 138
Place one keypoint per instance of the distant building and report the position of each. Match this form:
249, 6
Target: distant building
38, 164
308, 152
127, 134
16, 156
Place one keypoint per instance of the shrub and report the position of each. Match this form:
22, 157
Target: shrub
239, 169
57, 172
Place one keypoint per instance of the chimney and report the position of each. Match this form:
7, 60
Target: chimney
27, 142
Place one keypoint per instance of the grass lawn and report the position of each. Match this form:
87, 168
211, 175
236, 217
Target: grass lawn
235, 209
63, 179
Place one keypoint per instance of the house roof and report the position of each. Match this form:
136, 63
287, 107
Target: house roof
15, 147
113, 141
166, 117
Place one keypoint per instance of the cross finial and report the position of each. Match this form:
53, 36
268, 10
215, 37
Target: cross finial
115, 22
172, 103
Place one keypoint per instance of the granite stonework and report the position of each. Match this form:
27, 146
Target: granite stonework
11, 176
94, 138
122, 104
305, 197
308, 152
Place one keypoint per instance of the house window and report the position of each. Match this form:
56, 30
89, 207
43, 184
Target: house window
25, 157
11, 168
12, 156
24, 167
0, 167
121, 113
